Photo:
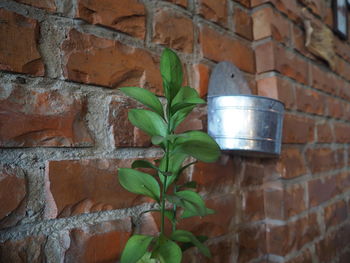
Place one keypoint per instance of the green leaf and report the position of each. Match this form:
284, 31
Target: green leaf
148, 121
186, 236
171, 71
144, 96
179, 116
139, 183
135, 248
189, 200
156, 140
185, 97
198, 145
187, 213
169, 252
143, 164
175, 162
147, 258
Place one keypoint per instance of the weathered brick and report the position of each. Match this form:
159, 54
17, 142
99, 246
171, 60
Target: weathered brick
245, 3
304, 257
293, 162
219, 47
289, 8
102, 242
251, 242
125, 134
214, 10
19, 44
208, 178
335, 213
253, 175
127, 16
322, 189
297, 129
323, 80
284, 239
271, 57
343, 182
44, 4
82, 186
277, 88
321, 159
28, 249
310, 101
168, 29
298, 41
334, 242
282, 202
196, 120
201, 74
342, 132
325, 132
253, 208
342, 68
92, 60
269, 23
336, 107
33, 117
182, 3
13, 192
243, 23
342, 48
344, 90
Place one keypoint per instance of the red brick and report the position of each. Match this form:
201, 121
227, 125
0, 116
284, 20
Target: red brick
322, 190
342, 68
13, 202
44, 4
342, 48
269, 23
325, 133
245, 3
125, 134
335, 213
182, 3
343, 182
320, 160
271, 57
34, 117
298, 41
103, 242
328, 248
305, 257
28, 249
336, 107
201, 74
90, 185
214, 10
251, 242
210, 180
222, 250
19, 44
196, 120
345, 257
344, 90
310, 101
285, 239
219, 47
323, 80
277, 88
289, 8
293, 162
168, 30
282, 202
243, 23
92, 60
253, 174
342, 132
253, 208
127, 16
297, 129
219, 224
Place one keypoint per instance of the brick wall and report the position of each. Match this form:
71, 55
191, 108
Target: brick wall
64, 128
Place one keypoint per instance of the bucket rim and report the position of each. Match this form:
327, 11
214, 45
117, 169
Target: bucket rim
248, 95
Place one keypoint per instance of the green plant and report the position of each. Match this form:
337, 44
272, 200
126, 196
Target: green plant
160, 124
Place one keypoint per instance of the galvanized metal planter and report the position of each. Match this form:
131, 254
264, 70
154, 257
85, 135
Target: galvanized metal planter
245, 124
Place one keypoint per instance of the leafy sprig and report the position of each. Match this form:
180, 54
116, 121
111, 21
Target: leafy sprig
160, 123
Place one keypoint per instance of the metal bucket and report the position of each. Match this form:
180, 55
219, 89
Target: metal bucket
247, 124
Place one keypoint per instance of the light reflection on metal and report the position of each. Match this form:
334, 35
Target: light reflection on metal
246, 124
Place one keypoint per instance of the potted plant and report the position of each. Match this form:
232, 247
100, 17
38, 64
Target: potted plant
171, 197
